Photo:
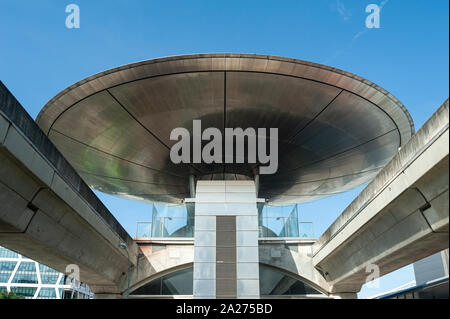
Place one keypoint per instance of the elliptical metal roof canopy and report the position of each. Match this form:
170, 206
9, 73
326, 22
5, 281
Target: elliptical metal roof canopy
336, 130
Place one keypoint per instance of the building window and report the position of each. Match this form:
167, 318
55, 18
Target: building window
26, 274
49, 276
27, 292
47, 293
6, 269
177, 283
6, 253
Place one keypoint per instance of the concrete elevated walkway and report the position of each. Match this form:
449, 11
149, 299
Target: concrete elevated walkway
48, 213
402, 215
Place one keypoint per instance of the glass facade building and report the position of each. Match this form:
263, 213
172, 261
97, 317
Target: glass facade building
435, 289
31, 280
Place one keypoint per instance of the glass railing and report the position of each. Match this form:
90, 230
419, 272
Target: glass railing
282, 221
168, 221
173, 227
306, 230
278, 227
178, 221
163, 227
144, 230
284, 227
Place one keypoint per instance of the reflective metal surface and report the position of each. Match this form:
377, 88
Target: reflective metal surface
336, 130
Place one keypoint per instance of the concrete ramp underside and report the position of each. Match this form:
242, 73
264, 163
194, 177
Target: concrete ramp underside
401, 217
48, 214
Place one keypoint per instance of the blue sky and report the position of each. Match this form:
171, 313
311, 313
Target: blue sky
408, 55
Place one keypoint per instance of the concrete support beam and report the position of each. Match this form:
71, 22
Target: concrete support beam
48, 214
401, 217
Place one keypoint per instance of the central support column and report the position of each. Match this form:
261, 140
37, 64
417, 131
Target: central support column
226, 261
